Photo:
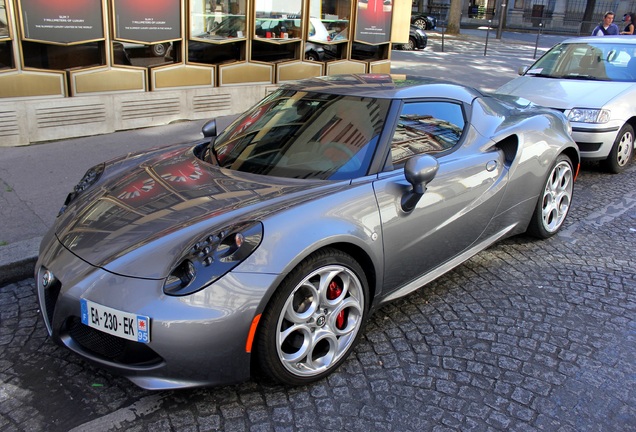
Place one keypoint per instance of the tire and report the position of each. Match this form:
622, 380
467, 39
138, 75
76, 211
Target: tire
311, 56
554, 203
409, 46
159, 50
313, 320
420, 23
622, 150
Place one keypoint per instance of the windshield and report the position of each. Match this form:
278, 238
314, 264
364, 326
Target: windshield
304, 135
592, 61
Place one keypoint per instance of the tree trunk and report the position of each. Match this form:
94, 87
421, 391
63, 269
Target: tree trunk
454, 17
587, 25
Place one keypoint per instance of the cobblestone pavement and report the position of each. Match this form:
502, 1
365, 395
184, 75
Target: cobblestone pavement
528, 335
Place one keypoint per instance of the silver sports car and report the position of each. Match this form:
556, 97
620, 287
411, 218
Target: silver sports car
262, 249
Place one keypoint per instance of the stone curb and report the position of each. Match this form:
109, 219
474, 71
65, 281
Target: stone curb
17, 260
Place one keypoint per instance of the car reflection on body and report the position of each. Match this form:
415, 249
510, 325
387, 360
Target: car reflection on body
264, 248
593, 81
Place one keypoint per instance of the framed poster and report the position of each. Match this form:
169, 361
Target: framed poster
62, 21
374, 21
147, 20
4, 23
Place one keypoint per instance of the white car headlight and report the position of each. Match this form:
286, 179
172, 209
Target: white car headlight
586, 115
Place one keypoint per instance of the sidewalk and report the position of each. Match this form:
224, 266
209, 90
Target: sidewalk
34, 180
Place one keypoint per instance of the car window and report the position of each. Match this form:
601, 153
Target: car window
426, 128
304, 135
591, 61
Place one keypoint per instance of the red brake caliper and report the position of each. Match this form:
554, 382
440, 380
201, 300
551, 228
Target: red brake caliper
333, 292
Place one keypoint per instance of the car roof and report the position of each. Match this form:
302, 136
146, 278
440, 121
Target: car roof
386, 86
603, 39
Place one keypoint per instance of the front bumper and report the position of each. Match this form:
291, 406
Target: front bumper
594, 141
195, 340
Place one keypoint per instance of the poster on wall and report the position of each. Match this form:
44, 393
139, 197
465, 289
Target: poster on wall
374, 21
62, 21
4, 26
147, 20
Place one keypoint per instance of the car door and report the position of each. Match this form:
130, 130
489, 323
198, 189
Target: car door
459, 202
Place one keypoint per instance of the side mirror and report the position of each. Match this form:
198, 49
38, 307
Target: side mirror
522, 70
419, 171
209, 129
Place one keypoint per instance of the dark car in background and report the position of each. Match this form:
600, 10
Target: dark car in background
423, 21
417, 40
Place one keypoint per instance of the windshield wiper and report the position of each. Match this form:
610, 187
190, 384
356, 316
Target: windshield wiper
584, 77
541, 75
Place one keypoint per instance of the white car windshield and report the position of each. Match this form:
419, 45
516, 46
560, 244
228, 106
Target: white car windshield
591, 61
304, 135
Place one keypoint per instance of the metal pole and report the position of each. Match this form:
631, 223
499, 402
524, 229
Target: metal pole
536, 45
443, 31
487, 34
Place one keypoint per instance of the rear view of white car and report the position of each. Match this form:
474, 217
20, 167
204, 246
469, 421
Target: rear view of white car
592, 80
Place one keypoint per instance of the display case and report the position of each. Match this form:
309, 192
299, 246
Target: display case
218, 31
144, 32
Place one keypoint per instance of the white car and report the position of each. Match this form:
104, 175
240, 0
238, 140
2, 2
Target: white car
592, 80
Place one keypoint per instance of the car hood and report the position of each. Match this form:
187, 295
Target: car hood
168, 201
565, 93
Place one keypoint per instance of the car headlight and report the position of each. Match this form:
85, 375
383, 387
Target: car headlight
586, 115
89, 179
212, 257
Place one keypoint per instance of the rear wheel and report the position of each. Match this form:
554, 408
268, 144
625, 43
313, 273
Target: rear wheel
622, 150
313, 320
420, 23
554, 203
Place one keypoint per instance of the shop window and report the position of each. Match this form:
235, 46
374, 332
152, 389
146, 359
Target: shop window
56, 57
210, 53
329, 20
218, 21
365, 52
144, 55
267, 52
6, 57
278, 19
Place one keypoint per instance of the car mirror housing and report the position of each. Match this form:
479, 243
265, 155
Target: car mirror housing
209, 129
419, 171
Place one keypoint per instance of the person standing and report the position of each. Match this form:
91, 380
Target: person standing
607, 27
628, 19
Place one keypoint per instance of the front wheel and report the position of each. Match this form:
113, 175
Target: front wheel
409, 46
554, 203
622, 150
313, 320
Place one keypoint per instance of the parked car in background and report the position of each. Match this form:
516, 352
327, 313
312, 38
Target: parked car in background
157, 50
417, 40
264, 248
423, 21
593, 81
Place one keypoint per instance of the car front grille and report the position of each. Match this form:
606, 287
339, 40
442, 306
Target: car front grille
109, 347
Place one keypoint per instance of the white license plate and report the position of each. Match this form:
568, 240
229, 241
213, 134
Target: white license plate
115, 322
